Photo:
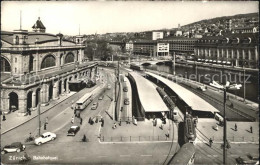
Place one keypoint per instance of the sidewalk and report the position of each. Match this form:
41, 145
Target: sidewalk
13, 120
143, 131
242, 135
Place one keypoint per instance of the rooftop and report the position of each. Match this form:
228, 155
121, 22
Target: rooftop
148, 95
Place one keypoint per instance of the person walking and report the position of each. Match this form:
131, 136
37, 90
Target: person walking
4, 117
102, 122
84, 139
29, 112
251, 129
72, 120
45, 126
235, 127
81, 121
210, 142
120, 122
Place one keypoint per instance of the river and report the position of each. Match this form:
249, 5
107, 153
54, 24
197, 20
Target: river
206, 75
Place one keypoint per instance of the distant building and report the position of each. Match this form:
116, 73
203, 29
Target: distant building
162, 48
129, 46
228, 24
246, 30
145, 47
157, 35
239, 50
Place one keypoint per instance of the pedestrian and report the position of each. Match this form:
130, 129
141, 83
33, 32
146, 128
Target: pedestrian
155, 122
114, 125
4, 117
46, 120
162, 126
45, 126
251, 129
168, 133
120, 122
235, 127
84, 139
81, 121
72, 120
154, 117
78, 115
89, 120
210, 142
102, 123
29, 112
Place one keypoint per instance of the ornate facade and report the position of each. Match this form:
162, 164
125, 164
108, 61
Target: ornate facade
36, 67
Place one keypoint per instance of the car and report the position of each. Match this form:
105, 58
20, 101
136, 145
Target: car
94, 106
14, 147
101, 98
73, 130
202, 88
125, 89
126, 101
245, 160
45, 137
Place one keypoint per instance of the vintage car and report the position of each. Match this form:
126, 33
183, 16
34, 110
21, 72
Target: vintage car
14, 147
73, 130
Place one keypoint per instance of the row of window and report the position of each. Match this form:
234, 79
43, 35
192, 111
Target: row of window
49, 60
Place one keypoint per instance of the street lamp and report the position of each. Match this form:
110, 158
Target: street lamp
225, 88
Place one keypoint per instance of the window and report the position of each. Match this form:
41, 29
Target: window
17, 40
5, 65
69, 58
48, 61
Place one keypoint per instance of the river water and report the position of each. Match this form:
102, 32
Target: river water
206, 75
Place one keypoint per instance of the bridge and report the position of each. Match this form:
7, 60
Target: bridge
147, 100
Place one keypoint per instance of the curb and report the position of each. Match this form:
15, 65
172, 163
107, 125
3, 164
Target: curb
34, 116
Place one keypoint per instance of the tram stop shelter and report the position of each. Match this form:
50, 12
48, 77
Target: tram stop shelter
198, 106
148, 102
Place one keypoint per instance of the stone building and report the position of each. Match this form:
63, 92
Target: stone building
238, 50
37, 67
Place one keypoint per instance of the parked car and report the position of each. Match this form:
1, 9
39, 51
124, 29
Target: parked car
126, 101
14, 147
101, 98
73, 130
94, 106
45, 137
125, 89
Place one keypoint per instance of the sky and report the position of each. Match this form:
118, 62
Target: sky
101, 17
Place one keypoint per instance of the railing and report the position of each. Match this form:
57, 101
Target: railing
133, 138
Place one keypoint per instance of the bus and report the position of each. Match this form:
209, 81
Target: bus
185, 155
84, 101
136, 67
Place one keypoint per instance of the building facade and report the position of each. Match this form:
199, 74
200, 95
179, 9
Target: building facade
238, 50
36, 67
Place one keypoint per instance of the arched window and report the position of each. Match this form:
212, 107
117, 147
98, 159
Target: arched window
48, 61
5, 65
69, 58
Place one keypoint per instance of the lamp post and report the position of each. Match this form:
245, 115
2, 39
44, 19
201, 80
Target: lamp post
225, 88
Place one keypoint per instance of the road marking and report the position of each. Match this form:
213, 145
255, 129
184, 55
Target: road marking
125, 155
146, 155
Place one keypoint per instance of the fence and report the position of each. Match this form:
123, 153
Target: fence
242, 139
134, 138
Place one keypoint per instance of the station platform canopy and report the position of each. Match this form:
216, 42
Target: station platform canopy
195, 102
148, 95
